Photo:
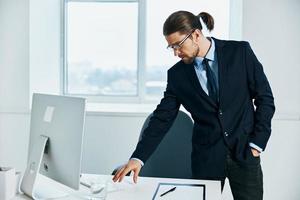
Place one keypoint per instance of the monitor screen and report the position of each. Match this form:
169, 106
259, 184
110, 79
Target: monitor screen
60, 119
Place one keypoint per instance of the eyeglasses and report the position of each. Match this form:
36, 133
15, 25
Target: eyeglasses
173, 47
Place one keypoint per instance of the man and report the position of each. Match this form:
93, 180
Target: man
218, 82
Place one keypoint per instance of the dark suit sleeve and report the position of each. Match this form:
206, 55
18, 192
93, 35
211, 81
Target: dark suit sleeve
261, 93
159, 124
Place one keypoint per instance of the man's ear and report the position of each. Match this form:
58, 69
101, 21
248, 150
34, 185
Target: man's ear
197, 34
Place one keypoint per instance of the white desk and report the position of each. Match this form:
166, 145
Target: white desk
144, 189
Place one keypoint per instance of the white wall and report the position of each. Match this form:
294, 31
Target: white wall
14, 55
45, 46
14, 78
272, 27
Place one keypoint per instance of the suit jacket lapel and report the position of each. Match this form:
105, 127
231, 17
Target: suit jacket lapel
192, 76
222, 66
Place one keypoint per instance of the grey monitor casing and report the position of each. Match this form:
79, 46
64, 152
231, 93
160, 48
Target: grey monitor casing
61, 120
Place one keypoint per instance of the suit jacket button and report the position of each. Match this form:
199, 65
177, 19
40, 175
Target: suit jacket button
225, 133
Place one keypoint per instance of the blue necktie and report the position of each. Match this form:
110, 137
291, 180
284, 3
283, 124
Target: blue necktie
211, 81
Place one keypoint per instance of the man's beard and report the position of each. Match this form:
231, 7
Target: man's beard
189, 60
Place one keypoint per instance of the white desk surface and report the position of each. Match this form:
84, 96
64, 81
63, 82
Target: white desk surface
144, 189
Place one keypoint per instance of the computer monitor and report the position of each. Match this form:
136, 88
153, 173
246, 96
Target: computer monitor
56, 137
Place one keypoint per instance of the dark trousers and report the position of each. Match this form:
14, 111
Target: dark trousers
246, 181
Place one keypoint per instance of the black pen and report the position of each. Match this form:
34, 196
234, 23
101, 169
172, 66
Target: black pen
170, 190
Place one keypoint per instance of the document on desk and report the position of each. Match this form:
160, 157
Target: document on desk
179, 191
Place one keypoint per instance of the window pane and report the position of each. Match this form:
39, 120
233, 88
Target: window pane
158, 58
102, 48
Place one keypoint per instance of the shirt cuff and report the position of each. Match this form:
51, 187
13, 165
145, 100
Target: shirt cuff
141, 162
255, 147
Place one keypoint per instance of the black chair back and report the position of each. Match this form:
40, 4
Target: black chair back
172, 158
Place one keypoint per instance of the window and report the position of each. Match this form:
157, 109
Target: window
101, 41
115, 50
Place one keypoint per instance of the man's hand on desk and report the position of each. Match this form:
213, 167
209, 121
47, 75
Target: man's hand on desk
132, 165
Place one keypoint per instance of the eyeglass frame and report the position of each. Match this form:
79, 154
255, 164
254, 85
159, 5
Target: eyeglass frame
174, 47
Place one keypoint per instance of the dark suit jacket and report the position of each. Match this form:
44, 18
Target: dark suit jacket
243, 114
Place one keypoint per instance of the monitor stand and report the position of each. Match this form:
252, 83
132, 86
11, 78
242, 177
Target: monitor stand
33, 184
46, 188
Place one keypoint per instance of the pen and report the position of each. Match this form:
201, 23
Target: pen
171, 190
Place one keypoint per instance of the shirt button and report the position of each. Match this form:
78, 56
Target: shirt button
225, 133
220, 112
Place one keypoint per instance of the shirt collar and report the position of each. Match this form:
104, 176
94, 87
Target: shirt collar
210, 54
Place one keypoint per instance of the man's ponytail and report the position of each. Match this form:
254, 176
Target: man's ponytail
207, 19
